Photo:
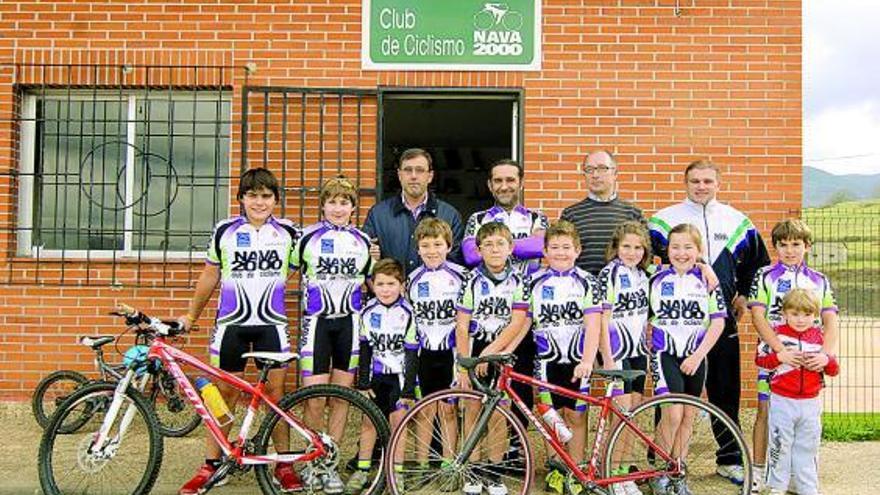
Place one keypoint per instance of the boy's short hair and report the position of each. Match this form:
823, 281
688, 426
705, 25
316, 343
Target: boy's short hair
630, 227
703, 164
493, 228
563, 228
389, 267
686, 228
338, 186
791, 229
257, 178
801, 300
434, 227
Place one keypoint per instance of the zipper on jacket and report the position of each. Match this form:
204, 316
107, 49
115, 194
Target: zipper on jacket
709, 259
801, 370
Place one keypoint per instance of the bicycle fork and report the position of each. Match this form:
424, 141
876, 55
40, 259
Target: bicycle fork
470, 443
102, 441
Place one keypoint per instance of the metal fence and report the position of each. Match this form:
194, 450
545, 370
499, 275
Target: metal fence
847, 249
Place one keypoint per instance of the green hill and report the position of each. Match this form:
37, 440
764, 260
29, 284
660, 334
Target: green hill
820, 186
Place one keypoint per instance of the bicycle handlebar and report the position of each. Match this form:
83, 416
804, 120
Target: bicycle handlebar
133, 317
471, 363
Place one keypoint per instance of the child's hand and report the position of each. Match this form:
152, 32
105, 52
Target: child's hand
368, 393
581, 371
481, 370
815, 361
791, 358
375, 253
690, 364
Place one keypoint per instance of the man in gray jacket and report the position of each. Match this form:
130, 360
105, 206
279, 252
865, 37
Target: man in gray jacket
393, 221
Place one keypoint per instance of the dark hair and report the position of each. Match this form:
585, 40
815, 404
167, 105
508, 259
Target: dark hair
506, 161
389, 267
411, 153
257, 178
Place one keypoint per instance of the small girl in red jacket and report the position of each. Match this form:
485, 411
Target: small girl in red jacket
795, 406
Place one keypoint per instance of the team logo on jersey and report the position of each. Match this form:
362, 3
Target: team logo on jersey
484, 287
547, 293
326, 246
624, 281
720, 236
667, 289
783, 286
424, 289
243, 239
376, 320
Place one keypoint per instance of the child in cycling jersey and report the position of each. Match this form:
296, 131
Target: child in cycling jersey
432, 290
792, 240
486, 308
333, 257
795, 406
250, 256
624, 288
389, 354
686, 321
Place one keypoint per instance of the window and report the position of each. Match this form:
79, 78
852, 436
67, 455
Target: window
122, 174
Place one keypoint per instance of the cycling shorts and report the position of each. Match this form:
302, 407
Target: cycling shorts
229, 342
668, 376
560, 375
387, 389
327, 343
436, 370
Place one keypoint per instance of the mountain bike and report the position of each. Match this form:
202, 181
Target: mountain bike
177, 418
637, 449
119, 450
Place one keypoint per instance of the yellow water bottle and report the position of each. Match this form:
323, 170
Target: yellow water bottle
214, 401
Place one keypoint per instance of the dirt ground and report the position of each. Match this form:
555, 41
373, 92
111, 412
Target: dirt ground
845, 468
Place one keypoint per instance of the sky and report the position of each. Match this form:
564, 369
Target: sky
842, 85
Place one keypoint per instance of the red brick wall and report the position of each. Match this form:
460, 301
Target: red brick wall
722, 80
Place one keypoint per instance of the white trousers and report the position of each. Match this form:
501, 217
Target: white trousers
795, 431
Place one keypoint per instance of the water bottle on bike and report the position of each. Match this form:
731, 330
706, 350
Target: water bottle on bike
214, 401
555, 422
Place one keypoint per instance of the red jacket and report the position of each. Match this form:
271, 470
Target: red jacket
787, 380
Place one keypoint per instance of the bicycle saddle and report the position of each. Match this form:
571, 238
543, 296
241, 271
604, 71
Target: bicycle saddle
625, 375
271, 359
97, 341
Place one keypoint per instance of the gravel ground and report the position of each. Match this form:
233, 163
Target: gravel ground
846, 468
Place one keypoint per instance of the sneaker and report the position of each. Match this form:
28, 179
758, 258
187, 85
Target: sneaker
757, 480
628, 488
496, 487
332, 483
618, 489
659, 485
309, 479
359, 480
194, 485
287, 478
776, 491
732, 472
472, 487
555, 481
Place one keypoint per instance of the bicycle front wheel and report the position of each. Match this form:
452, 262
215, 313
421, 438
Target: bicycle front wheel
52, 391
176, 415
427, 447
694, 446
126, 461
342, 448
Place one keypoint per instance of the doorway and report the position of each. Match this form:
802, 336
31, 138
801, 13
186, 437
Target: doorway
464, 131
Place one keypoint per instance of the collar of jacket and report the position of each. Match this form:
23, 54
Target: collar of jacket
398, 207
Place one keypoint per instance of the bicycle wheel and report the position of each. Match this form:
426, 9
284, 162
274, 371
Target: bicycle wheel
128, 461
361, 411
499, 456
626, 450
176, 415
52, 391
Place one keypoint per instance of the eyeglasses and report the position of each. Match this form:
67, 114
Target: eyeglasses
414, 170
601, 170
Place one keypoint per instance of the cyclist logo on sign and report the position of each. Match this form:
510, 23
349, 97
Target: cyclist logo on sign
496, 31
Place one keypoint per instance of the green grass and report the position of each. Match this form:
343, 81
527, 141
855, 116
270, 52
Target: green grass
851, 427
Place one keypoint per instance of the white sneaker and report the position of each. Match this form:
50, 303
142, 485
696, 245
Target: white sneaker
732, 472
618, 489
630, 488
472, 488
659, 485
496, 488
332, 483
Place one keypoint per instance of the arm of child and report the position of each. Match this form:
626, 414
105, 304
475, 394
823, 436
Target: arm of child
509, 338
204, 288
605, 341
765, 331
832, 368
592, 331
463, 345
691, 363
365, 360
410, 370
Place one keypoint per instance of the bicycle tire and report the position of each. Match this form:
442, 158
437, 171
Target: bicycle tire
177, 416
359, 408
699, 462
46, 390
439, 474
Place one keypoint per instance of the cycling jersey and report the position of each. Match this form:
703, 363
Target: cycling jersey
389, 331
557, 302
625, 294
772, 282
433, 294
681, 309
521, 221
334, 262
490, 300
254, 265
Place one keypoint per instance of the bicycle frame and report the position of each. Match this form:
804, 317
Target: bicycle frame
590, 476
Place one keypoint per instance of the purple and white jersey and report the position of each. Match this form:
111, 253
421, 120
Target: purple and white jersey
433, 294
521, 221
390, 331
254, 266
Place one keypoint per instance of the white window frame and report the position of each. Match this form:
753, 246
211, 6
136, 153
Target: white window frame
27, 153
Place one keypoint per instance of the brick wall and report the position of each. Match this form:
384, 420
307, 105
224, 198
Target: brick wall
722, 80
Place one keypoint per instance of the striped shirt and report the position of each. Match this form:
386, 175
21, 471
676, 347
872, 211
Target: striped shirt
595, 221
